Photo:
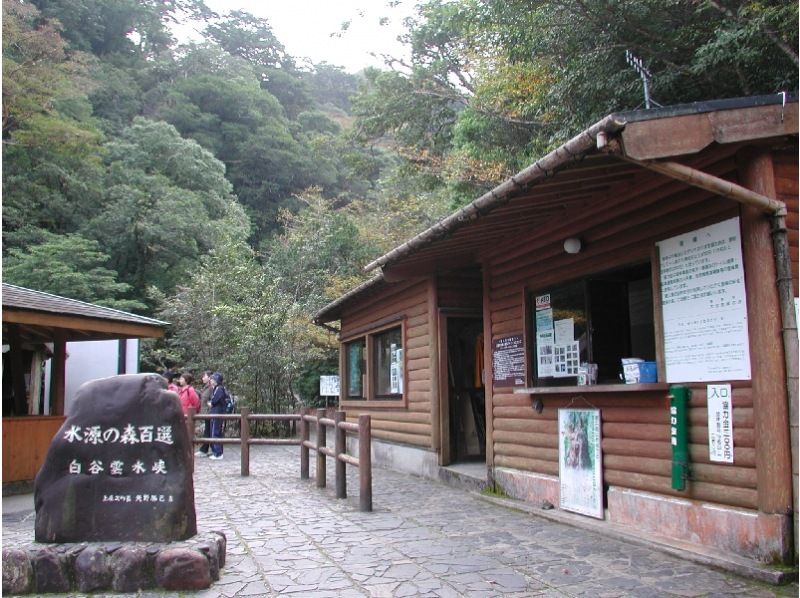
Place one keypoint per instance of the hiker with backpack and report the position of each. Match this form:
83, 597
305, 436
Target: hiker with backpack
218, 405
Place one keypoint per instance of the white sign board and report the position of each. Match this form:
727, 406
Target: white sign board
720, 423
329, 386
704, 306
396, 370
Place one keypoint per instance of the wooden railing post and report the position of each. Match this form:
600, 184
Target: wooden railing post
190, 425
340, 448
304, 437
365, 463
190, 430
321, 442
245, 441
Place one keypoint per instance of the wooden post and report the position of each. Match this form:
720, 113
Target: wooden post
488, 374
17, 373
245, 441
320, 445
340, 448
304, 437
190, 431
364, 463
437, 383
773, 454
58, 373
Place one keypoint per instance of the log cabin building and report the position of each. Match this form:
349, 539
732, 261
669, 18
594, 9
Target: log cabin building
511, 333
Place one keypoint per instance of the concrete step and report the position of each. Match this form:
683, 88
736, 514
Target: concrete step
470, 476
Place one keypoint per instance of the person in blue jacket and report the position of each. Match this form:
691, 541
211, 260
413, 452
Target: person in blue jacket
217, 406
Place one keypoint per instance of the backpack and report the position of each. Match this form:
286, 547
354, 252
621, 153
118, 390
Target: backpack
230, 402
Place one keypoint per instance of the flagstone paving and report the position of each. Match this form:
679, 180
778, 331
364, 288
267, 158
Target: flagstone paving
286, 537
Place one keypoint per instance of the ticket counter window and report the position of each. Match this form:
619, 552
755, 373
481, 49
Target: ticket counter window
600, 319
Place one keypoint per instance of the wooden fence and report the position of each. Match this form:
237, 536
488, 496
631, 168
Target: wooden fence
339, 451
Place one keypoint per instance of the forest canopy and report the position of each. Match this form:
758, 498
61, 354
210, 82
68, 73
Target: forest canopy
232, 190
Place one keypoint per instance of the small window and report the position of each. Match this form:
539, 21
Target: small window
388, 364
600, 319
374, 366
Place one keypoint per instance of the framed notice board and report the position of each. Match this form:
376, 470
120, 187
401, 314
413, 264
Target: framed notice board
508, 361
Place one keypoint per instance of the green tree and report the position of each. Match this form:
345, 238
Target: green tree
241, 34
123, 26
166, 200
71, 266
52, 150
250, 316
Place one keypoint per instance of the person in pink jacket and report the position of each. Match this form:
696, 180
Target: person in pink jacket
188, 394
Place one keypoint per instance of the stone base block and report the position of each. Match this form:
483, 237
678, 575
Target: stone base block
704, 526
114, 566
535, 488
758, 536
398, 457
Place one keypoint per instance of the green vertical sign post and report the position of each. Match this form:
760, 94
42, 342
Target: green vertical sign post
678, 406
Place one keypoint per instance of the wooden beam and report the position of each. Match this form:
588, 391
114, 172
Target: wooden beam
773, 450
690, 133
79, 324
716, 185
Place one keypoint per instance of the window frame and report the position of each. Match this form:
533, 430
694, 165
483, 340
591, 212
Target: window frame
369, 397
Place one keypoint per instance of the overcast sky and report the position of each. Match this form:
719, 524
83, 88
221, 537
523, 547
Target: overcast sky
304, 27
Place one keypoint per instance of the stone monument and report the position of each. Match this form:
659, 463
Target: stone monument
120, 468
115, 499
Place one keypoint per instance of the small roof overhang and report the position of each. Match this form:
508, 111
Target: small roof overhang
613, 153
42, 317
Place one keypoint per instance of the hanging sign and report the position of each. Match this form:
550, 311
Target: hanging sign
703, 304
580, 464
720, 423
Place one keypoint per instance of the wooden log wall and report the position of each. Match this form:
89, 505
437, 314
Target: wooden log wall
460, 290
26, 441
635, 426
411, 424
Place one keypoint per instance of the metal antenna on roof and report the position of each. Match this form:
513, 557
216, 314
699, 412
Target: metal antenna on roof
640, 68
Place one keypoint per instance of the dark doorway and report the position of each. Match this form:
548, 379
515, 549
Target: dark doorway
465, 389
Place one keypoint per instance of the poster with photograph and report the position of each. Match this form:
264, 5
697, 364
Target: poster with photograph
704, 305
580, 463
545, 348
566, 360
545, 338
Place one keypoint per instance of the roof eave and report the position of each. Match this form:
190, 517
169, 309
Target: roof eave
573, 149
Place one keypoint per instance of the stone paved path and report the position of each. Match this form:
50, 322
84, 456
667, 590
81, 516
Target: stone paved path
288, 538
